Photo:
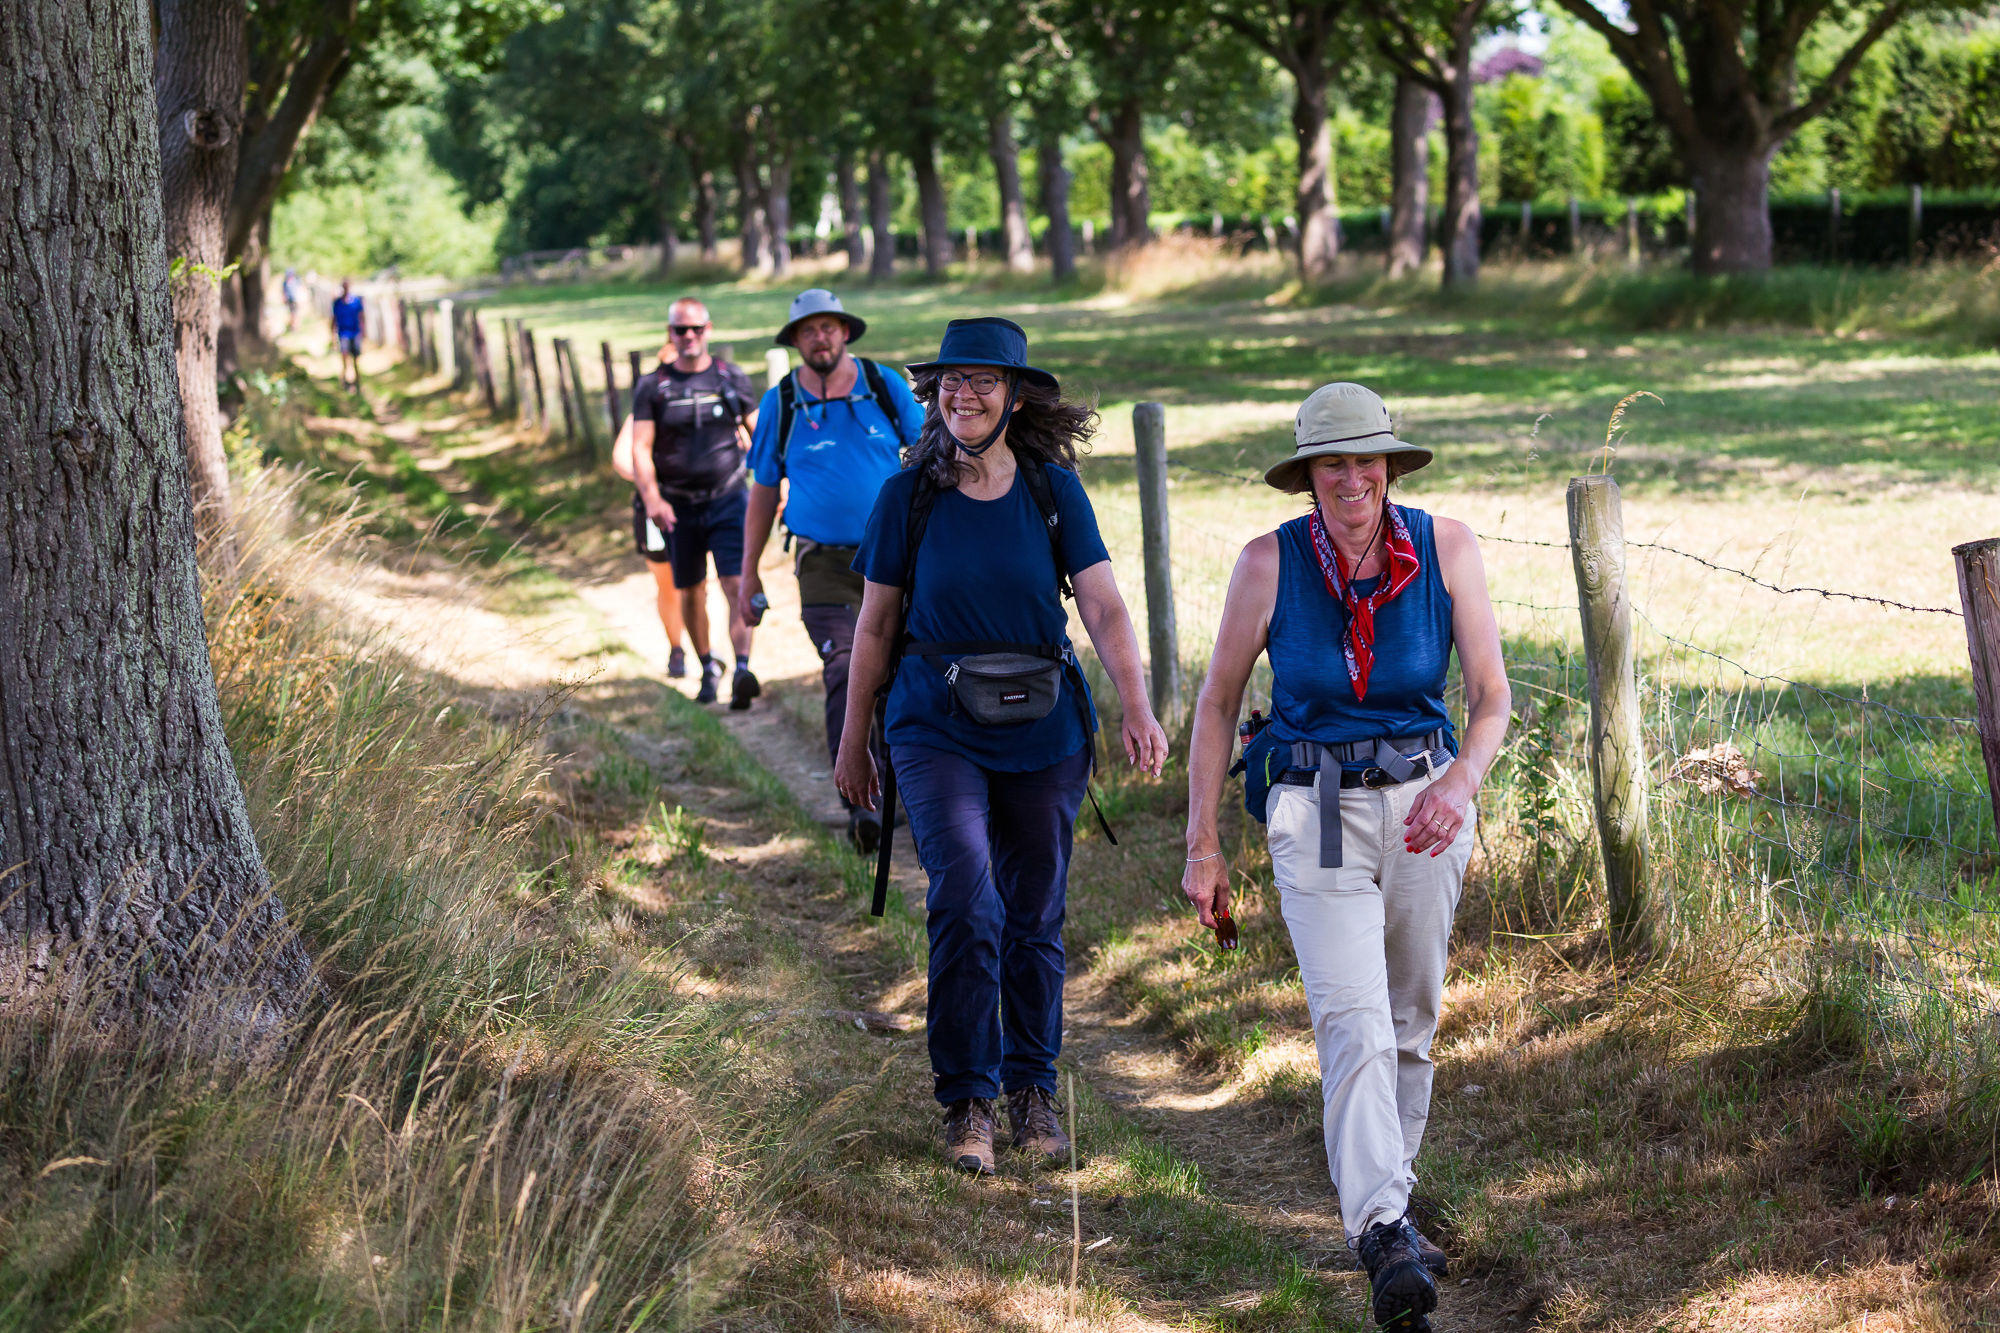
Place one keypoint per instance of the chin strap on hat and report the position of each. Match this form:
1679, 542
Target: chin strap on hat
1006, 415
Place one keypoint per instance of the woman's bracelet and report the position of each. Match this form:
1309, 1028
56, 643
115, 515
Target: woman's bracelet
1210, 857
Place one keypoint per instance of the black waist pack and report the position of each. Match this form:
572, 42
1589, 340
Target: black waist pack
1001, 689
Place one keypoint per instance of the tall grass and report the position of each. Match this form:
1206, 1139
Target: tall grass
502, 1114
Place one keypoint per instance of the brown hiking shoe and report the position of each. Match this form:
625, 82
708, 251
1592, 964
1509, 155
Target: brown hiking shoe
1037, 1124
968, 1135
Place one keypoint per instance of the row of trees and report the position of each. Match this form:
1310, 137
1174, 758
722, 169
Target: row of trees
695, 104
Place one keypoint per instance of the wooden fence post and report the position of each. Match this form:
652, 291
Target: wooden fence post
638, 368
507, 341
444, 344
1979, 595
1617, 755
532, 365
1916, 224
483, 362
1149, 443
559, 347
586, 421
611, 391
777, 365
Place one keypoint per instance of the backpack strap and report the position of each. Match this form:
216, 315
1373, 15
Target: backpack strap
788, 411
922, 496
1037, 479
878, 387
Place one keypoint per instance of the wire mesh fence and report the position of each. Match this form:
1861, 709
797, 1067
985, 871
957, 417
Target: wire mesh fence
1846, 823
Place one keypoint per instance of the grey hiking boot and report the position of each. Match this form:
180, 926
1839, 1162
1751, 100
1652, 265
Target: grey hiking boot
1403, 1290
1037, 1124
968, 1135
711, 672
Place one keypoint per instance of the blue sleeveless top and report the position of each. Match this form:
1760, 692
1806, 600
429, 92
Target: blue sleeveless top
1311, 697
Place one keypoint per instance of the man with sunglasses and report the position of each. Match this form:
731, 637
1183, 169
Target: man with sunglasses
830, 433
689, 432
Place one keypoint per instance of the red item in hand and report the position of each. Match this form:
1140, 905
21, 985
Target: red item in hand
1225, 929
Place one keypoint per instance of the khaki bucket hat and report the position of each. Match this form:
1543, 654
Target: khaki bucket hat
1342, 419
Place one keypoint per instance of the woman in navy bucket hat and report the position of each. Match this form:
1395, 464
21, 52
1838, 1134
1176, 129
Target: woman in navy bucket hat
989, 721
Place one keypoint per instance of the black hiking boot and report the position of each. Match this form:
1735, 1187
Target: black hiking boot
1434, 1258
711, 672
742, 689
864, 830
968, 1135
1403, 1290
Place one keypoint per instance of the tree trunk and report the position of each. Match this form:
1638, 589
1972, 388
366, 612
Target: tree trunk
1131, 195
750, 214
881, 264
132, 863
1460, 238
255, 280
1319, 232
1014, 235
1410, 164
778, 210
704, 212
1732, 218
199, 64
267, 153
1055, 205
850, 211
930, 203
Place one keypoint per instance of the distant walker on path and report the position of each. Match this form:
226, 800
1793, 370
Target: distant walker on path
347, 313
689, 425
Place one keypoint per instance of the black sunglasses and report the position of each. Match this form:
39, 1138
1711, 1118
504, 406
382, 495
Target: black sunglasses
682, 330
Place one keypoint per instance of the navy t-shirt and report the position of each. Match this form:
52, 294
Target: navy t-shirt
984, 571
347, 316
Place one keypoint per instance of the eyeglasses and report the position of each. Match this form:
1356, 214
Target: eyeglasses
683, 330
951, 382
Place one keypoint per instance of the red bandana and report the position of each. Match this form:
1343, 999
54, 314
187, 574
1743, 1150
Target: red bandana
1358, 643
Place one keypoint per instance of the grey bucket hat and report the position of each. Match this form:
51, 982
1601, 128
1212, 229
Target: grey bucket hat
1342, 419
819, 301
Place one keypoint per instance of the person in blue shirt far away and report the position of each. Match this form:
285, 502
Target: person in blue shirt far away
347, 331
829, 434
990, 723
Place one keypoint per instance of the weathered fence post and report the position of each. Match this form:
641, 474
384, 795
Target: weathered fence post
1833, 225
1979, 595
507, 340
1617, 756
586, 420
1149, 445
1631, 230
560, 348
483, 362
1916, 223
638, 362
533, 365
777, 365
611, 391
445, 349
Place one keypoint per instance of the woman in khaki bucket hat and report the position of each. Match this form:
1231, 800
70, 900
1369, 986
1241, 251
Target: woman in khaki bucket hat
1360, 603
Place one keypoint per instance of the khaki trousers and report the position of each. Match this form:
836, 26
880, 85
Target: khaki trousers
1373, 938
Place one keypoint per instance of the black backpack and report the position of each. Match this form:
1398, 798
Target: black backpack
922, 497
788, 407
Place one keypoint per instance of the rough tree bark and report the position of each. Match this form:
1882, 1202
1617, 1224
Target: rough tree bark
855, 237
1432, 48
1299, 35
136, 867
200, 62
1055, 206
254, 280
1015, 238
930, 204
882, 263
1410, 166
778, 213
1124, 133
750, 214
1461, 176
704, 210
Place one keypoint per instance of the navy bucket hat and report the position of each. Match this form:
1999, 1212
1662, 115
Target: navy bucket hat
987, 341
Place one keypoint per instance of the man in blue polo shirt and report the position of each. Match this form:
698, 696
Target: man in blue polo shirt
830, 433
347, 331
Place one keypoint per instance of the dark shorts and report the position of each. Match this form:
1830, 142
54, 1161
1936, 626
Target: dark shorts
711, 527
350, 344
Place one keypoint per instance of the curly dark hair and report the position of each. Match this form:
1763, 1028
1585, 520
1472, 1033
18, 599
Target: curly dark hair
1045, 428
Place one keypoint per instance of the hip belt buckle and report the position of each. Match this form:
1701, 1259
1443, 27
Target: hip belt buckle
1373, 778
